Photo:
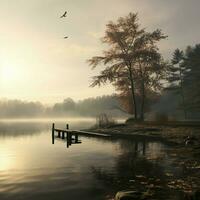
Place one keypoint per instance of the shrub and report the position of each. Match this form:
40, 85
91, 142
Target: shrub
103, 120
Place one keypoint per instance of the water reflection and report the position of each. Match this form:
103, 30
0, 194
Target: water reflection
68, 138
135, 158
32, 168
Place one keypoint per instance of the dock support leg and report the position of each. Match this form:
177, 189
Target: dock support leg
53, 126
59, 134
68, 139
76, 138
67, 136
63, 135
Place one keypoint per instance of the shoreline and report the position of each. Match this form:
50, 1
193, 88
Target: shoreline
169, 133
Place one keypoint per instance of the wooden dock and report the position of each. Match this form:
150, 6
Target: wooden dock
72, 135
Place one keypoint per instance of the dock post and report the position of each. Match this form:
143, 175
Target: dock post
69, 142
67, 136
76, 137
63, 135
70, 138
53, 127
59, 134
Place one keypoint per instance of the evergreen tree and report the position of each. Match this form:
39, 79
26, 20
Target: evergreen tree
176, 73
192, 77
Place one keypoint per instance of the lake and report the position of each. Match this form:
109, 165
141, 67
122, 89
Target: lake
31, 167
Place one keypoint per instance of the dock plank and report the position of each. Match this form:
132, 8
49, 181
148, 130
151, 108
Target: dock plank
82, 132
92, 133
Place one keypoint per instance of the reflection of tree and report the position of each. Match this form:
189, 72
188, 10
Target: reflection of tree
131, 169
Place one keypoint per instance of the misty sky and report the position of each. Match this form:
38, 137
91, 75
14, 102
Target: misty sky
36, 63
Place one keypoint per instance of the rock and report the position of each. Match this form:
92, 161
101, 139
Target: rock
134, 195
190, 140
128, 195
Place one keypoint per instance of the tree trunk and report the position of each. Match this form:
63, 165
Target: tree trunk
142, 93
143, 101
133, 93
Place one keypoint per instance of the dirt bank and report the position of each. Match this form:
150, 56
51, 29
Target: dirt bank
184, 135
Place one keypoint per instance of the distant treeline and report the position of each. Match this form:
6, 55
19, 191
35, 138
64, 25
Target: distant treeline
167, 103
89, 107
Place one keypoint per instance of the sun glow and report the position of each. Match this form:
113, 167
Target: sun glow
8, 73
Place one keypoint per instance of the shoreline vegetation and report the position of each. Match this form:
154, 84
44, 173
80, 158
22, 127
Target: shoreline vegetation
178, 132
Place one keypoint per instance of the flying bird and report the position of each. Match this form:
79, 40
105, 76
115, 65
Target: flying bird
65, 37
64, 15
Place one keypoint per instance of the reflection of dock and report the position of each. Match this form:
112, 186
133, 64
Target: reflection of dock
71, 136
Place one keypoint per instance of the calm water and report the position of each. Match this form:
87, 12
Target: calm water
31, 167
